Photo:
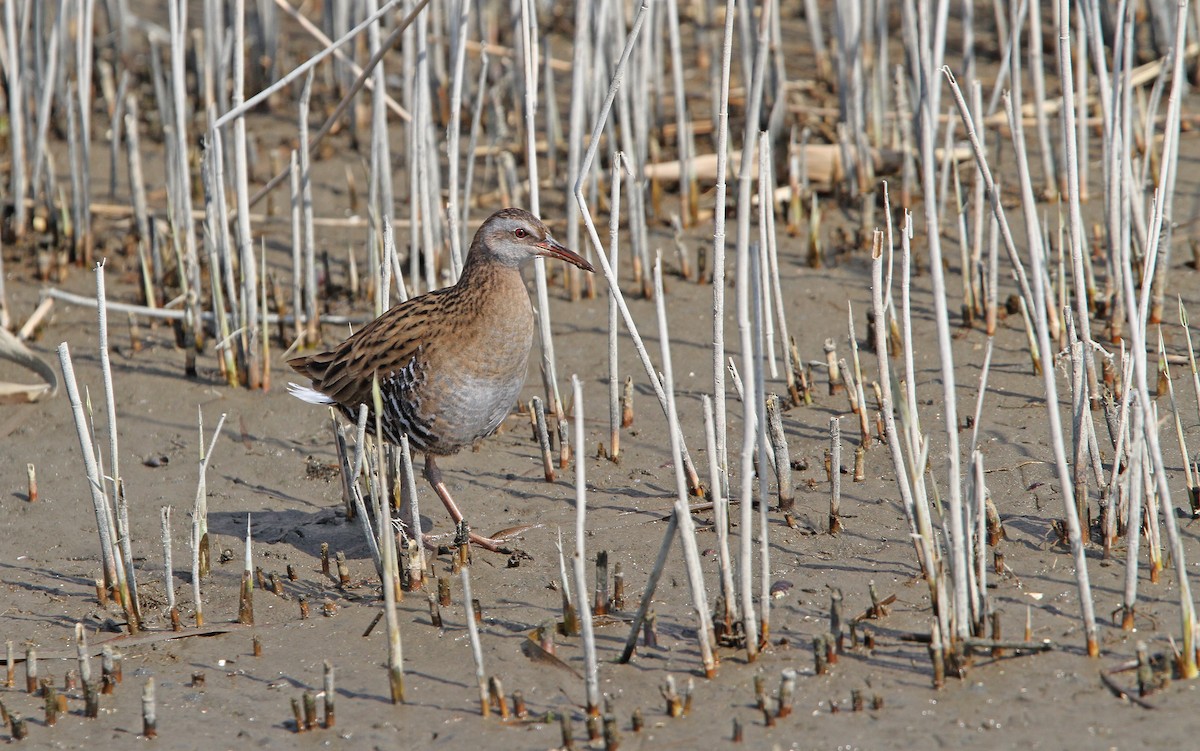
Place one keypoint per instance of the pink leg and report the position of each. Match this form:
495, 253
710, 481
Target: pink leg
434, 476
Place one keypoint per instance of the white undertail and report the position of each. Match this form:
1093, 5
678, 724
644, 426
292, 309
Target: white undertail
310, 395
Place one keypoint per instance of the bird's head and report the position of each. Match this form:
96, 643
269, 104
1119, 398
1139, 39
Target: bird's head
514, 236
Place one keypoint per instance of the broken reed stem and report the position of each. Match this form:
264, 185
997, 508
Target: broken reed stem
1137, 312
1070, 512
835, 475
746, 279
387, 547
592, 669
956, 539
417, 562
764, 455
720, 520
687, 529
149, 711
112, 577
121, 519
476, 649
911, 489
360, 504
718, 262
200, 548
81, 654
779, 446
614, 226
543, 436
246, 598
329, 694
169, 569
570, 621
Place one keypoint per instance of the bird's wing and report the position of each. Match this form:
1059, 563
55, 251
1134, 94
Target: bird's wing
387, 346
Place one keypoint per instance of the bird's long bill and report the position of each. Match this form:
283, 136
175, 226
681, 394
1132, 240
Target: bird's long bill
550, 248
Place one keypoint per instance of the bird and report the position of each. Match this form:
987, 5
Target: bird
451, 362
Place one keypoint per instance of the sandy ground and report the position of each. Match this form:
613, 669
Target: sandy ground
49, 561
261, 468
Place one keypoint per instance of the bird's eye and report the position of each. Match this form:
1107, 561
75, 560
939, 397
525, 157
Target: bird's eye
520, 232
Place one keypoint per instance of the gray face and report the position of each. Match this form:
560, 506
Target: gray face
515, 236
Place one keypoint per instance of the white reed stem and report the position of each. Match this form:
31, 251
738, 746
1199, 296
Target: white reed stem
591, 678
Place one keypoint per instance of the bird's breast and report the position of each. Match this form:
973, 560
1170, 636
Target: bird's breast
481, 375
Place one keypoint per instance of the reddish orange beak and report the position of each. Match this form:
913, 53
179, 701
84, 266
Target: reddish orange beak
550, 248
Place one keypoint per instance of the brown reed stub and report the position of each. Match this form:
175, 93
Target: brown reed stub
617, 603
768, 714
783, 462
564, 443
325, 559
329, 695
650, 631
309, 703
31, 476
997, 650
567, 732
835, 620
149, 711
31, 670
836, 383
760, 690
50, 697
600, 600
303, 602
497, 698
672, 697
612, 736
17, 726
435, 611
787, 689
856, 700
820, 657
737, 736
256, 646
637, 721
627, 403
10, 664
518, 701
343, 570
443, 591
938, 657
543, 437
246, 600
298, 715
91, 700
